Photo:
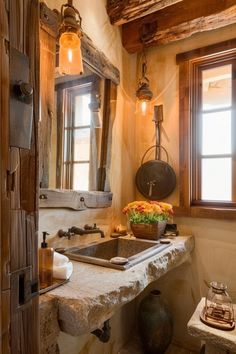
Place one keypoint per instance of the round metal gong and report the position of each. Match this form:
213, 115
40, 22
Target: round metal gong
155, 179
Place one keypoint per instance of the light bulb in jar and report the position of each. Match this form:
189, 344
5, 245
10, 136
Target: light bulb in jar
70, 59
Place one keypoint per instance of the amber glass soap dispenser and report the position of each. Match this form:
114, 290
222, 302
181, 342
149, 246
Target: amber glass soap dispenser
45, 264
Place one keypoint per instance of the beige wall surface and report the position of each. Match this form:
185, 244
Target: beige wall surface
215, 241
107, 38
214, 256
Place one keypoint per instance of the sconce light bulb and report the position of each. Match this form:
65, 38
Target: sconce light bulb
70, 55
143, 107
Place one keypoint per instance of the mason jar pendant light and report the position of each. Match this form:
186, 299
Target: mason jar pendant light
144, 93
70, 56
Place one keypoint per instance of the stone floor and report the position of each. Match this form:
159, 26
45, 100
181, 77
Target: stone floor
134, 347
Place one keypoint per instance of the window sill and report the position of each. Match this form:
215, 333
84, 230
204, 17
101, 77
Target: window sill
76, 200
206, 212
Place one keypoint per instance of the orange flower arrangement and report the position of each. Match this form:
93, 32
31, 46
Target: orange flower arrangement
148, 211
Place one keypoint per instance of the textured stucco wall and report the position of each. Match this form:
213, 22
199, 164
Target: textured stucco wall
214, 256
96, 25
215, 240
107, 38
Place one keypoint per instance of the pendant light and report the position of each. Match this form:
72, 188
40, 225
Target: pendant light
70, 56
144, 93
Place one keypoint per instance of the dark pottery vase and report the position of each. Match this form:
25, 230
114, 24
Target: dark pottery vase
155, 324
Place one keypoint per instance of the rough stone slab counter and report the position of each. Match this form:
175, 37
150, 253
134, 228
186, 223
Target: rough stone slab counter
94, 293
217, 341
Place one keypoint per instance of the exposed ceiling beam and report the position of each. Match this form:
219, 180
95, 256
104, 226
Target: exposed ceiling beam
178, 22
123, 11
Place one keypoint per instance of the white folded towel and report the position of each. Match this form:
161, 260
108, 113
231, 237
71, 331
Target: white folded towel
63, 272
59, 259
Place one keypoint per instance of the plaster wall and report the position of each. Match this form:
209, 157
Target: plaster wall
107, 38
215, 243
214, 256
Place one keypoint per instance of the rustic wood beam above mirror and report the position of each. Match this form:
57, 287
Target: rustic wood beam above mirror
123, 11
175, 22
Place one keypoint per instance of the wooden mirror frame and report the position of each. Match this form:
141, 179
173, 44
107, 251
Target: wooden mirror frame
96, 61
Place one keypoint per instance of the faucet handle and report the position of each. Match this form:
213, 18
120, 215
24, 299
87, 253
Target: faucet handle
70, 233
61, 233
90, 227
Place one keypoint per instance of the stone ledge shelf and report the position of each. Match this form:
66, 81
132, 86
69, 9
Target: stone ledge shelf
217, 341
94, 293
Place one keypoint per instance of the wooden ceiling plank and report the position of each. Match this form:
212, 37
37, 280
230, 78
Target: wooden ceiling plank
178, 22
123, 11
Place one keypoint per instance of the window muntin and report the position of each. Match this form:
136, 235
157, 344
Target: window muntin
213, 140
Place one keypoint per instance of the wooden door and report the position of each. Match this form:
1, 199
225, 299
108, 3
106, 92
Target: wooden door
19, 323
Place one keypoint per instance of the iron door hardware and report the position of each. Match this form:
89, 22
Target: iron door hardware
21, 101
23, 288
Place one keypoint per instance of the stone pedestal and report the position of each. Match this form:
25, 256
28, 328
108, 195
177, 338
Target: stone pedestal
217, 341
49, 328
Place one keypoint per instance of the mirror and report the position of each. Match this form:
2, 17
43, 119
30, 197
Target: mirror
76, 148
77, 113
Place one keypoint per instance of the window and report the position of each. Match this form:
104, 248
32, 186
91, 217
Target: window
84, 126
208, 132
77, 138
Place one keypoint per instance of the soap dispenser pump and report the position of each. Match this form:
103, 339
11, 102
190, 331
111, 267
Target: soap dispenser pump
45, 263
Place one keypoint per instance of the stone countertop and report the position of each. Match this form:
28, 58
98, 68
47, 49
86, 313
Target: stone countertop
217, 337
94, 293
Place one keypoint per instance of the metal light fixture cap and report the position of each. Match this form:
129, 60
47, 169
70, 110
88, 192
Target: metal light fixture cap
144, 92
69, 23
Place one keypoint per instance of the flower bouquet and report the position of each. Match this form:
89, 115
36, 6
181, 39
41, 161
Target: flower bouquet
148, 218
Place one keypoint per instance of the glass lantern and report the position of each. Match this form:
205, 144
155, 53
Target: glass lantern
218, 311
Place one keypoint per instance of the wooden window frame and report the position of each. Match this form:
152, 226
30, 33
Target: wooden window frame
187, 64
107, 122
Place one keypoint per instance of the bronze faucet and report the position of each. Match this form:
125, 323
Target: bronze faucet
78, 231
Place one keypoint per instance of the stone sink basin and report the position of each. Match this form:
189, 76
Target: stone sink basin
101, 253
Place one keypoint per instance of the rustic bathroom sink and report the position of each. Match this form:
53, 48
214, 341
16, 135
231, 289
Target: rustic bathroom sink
128, 251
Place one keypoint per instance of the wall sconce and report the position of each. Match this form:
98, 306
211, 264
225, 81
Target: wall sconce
70, 57
144, 93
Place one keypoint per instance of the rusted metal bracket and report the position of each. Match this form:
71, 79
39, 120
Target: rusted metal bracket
147, 32
21, 101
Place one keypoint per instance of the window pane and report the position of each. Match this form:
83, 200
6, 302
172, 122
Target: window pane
82, 111
216, 133
81, 176
216, 179
216, 87
81, 144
